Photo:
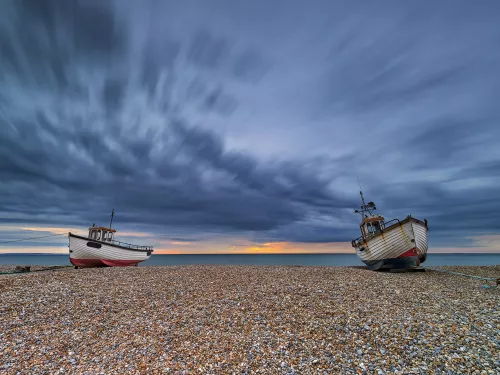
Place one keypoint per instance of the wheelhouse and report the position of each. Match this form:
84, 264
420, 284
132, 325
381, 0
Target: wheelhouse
101, 234
372, 226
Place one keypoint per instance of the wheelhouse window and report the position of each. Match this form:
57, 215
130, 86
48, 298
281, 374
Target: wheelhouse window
373, 228
376, 227
101, 234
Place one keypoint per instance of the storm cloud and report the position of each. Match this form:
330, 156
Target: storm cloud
194, 120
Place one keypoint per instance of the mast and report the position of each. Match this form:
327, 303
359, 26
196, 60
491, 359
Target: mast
366, 207
112, 214
363, 207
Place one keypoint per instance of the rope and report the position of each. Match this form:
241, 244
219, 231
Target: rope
34, 238
464, 274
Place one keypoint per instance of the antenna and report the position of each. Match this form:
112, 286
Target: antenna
112, 214
359, 183
361, 194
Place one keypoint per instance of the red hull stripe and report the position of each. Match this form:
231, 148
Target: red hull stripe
103, 262
409, 253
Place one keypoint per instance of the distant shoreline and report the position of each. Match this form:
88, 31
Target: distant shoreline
225, 254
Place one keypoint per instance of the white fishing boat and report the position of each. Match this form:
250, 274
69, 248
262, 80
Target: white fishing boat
393, 244
100, 249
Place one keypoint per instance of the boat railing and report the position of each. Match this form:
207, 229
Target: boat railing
390, 221
356, 241
130, 246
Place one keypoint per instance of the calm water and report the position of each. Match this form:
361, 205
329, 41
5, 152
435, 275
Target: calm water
262, 259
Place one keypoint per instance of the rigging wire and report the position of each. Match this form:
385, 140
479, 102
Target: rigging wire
34, 238
497, 280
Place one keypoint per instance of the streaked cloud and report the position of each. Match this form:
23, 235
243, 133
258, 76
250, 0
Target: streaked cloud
227, 125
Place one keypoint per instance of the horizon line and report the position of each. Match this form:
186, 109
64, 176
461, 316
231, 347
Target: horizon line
343, 253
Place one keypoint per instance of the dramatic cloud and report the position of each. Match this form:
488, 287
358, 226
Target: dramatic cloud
203, 122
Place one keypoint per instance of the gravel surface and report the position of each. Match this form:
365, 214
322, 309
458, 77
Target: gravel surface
248, 319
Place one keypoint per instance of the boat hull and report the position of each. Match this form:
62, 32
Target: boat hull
394, 263
85, 252
400, 246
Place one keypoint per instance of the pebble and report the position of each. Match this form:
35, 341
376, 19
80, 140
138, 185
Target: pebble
248, 320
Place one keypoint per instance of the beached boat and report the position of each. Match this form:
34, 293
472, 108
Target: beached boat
100, 249
394, 244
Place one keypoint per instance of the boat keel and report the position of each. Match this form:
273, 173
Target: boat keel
87, 263
394, 263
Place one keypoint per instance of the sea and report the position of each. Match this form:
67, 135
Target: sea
259, 259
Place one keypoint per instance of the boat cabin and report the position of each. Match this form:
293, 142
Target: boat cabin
372, 225
101, 234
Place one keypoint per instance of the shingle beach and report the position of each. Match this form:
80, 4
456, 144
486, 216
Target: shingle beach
248, 319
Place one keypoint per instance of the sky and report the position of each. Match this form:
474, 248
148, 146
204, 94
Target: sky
243, 126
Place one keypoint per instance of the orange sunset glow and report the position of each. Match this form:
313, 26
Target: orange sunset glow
221, 245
